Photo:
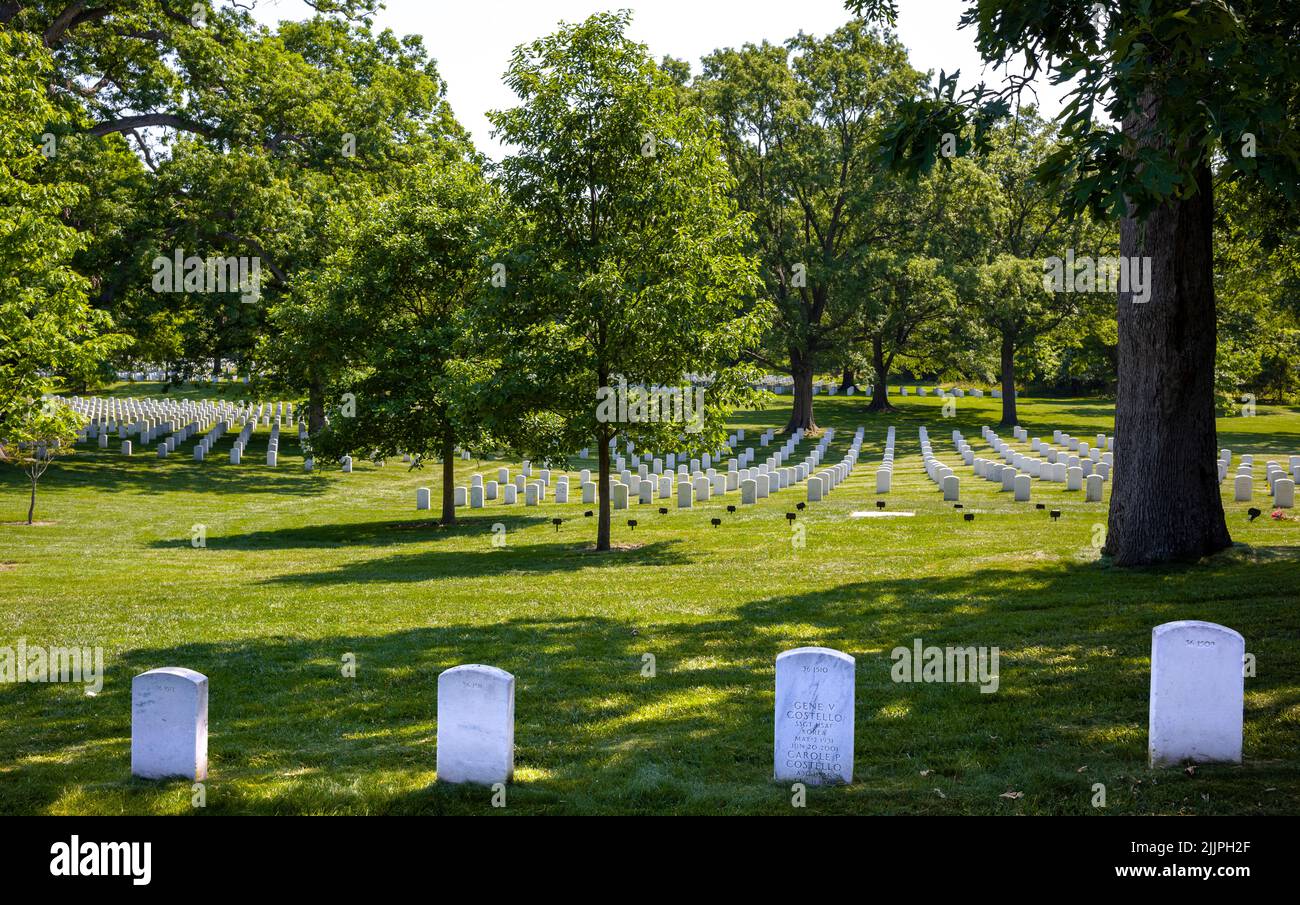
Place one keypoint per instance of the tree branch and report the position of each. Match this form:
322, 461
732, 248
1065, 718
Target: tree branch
73, 14
170, 120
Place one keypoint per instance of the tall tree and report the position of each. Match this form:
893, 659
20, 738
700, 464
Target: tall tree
394, 300
910, 286
628, 263
1182, 86
47, 327
799, 122
1030, 225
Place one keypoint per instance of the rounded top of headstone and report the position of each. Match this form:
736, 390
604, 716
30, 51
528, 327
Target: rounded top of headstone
821, 651
1183, 625
479, 669
179, 672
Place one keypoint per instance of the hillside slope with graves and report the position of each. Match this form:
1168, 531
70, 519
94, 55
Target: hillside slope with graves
311, 612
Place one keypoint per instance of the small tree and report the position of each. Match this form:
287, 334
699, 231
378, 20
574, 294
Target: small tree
392, 305
33, 435
627, 261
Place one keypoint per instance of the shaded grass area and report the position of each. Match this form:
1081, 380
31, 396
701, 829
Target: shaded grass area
301, 569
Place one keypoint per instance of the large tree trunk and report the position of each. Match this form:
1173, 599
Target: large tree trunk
1009, 417
315, 406
880, 392
801, 414
602, 454
849, 380
448, 478
1165, 503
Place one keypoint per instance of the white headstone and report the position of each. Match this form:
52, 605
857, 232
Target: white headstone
814, 716
476, 725
1284, 493
951, 488
169, 724
1197, 693
422, 498
1023, 487
1242, 487
1094, 483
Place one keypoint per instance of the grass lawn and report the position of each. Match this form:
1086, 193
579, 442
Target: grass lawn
301, 569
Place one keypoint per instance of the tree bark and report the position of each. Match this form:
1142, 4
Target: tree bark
448, 477
315, 406
1009, 417
880, 392
848, 380
602, 455
31, 508
1165, 504
801, 412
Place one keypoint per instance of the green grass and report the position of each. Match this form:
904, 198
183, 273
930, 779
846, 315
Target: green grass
301, 569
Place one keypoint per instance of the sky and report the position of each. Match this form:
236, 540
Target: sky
471, 40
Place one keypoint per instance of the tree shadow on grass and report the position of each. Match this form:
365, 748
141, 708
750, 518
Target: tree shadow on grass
533, 558
143, 472
595, 734
383, 533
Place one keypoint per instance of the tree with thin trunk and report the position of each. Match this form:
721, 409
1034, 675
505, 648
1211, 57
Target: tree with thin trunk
32, 441
1165, 90
625, 269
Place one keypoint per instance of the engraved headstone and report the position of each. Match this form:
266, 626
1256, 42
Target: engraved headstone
476, 725
1197, 693
169, 724
814, 716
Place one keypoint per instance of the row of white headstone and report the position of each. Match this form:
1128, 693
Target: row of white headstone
1195, 712
173, 422
1281, 484
695, 482
944, 392
937, 471
830, 388
885, 473
159, 375
1086, 471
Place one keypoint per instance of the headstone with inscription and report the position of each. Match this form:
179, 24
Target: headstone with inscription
1197, 693
169, 724
814, 716
476, 725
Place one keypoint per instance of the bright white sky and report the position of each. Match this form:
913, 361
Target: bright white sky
472, 39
